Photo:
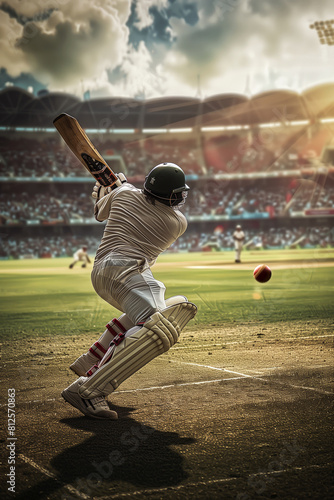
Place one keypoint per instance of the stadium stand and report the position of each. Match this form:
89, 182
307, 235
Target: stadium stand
238, 199
265, 161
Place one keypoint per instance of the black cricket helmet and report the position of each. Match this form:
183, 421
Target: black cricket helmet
167, 183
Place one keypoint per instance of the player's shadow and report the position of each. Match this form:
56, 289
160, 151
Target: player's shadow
123, 450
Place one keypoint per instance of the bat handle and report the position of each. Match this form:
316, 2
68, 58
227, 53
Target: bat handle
122, 178
115, 184
119, 181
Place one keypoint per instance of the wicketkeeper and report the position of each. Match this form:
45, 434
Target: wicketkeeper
141, 224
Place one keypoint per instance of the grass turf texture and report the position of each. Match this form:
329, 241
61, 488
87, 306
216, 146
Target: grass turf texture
44, 297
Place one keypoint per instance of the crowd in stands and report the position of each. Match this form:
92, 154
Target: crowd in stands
50, 158
269, 150
301, 237
204, 200
45, 247
22, 157
191, 241
64, 203
310, 196
141, 156
24, 208
225, 200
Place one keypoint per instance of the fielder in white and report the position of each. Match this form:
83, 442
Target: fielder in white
80, 255
239, 238
141, 224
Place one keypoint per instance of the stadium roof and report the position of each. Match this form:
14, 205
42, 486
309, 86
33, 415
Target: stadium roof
278, 106
110, 113
179, 111
320, 100
225, 109
20, 108
13, 103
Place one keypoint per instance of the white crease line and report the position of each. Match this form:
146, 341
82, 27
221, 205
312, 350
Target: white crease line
197, 346
210, 482
178, 385
321, 391
35, 401
244, 375
158, 387
213, 368
265, 369
152, 388
50, 474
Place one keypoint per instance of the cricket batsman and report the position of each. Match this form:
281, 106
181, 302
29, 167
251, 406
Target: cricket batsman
141, 224
239, 238
80, 255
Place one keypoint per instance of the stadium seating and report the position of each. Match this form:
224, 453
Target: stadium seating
266, 162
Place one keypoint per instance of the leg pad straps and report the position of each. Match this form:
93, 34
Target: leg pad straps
159, 333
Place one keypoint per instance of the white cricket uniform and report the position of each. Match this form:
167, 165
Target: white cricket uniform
80, 255
135, 234
239, 237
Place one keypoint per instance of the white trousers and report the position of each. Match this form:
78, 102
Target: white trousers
238, 249
129, 285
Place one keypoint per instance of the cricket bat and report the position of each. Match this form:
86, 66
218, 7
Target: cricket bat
80, 144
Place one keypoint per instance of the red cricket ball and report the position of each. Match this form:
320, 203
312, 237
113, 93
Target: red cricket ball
262, 273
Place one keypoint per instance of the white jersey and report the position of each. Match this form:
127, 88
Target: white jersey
238, 237
135, 234
135, 227
80, 254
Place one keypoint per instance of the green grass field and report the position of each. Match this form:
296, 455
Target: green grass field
43, 297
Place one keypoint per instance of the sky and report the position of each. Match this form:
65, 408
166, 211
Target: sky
152, 48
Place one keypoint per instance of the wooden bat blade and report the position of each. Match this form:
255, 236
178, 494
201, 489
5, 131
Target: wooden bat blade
82, 147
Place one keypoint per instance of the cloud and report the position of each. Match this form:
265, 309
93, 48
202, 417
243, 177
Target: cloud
139, 78
236, 39
24, 11
10, 58
143, 14
147, 47
78, 40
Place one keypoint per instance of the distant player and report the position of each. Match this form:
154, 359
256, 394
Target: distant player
141, 224
80, 255
239, 238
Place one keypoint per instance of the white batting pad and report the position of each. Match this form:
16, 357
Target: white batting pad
157, 336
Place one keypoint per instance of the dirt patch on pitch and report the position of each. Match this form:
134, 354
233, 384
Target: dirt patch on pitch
223, 406
31, 364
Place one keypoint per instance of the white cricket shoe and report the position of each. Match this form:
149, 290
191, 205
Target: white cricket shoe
95, 407
83, 364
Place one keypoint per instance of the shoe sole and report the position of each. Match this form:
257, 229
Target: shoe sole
72, 401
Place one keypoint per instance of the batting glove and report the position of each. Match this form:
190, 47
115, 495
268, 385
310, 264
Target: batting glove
100, 191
